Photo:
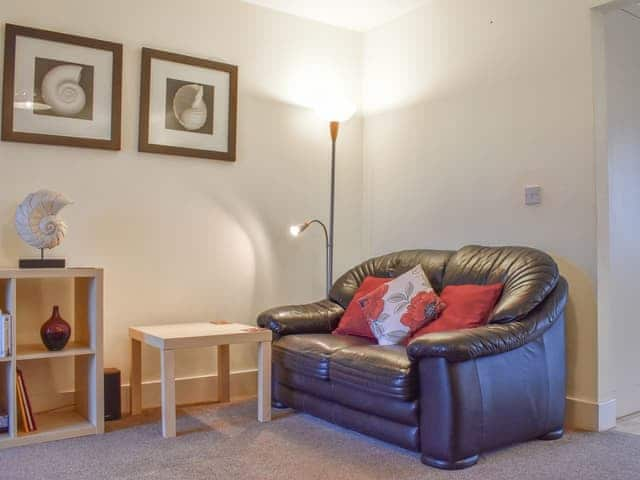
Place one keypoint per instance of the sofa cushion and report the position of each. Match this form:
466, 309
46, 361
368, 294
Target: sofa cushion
401, 411
353, 321
528, 276
391, 266
309, 353
379, 370
400, 307
468, 306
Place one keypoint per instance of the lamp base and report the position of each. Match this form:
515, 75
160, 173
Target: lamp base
42, 263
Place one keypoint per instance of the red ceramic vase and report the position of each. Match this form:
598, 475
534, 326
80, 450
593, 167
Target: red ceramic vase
55, 332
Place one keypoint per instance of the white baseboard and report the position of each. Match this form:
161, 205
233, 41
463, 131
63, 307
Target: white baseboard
196, 389
591, 416
189, 390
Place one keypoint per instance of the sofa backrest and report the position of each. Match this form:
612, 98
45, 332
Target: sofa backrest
528, 275
392, 265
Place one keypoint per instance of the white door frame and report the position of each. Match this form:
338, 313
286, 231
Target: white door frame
604, 416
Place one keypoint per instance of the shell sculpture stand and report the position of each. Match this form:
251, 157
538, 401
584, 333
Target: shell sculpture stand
38, 224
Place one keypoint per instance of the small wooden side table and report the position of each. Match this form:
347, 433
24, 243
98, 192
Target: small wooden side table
169, 338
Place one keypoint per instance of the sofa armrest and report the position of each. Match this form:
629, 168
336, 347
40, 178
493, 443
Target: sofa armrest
319, 317
462, 345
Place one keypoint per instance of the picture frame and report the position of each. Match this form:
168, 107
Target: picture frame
61, 89
188, 106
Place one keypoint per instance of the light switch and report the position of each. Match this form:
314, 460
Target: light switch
532, 195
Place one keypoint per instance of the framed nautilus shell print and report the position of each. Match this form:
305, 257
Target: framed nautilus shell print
61, 89
187, 106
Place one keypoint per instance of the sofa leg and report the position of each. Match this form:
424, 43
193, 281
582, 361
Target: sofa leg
278, 405
555, 435
446, 465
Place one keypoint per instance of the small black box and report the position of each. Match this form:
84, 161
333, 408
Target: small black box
112, 401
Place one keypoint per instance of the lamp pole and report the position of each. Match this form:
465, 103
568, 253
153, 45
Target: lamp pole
342, 114
334, 127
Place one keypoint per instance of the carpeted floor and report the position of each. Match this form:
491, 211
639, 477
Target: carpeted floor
226, 442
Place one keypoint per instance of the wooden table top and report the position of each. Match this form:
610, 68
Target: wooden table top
192, 335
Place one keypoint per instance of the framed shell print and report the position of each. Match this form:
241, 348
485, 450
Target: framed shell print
188, 106
61, 89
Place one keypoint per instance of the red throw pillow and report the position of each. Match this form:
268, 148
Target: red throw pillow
353, 322
468, 306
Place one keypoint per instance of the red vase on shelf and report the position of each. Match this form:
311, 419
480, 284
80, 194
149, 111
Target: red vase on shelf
55, 332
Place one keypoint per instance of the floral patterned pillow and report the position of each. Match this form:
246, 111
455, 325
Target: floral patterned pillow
399, 308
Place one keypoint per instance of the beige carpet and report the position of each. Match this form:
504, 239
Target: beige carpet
226, 442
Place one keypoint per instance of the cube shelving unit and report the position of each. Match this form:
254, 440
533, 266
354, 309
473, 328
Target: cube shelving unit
86, 415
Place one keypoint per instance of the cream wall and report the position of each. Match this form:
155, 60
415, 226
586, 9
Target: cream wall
185, 239
468, 102
623, 107
465, 103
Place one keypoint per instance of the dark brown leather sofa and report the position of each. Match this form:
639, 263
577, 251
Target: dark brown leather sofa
449, 395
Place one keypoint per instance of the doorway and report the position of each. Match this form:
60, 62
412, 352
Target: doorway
617, 87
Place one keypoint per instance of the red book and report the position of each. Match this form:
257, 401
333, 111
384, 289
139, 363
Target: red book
30, 417
21, 406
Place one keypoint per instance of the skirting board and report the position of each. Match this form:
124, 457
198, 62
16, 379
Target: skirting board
197, 389
189, 390
590, 416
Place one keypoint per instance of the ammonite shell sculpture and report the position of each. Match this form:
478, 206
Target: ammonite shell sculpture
61, 90
37, 219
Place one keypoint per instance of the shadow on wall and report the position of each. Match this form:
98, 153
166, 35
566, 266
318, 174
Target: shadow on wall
581, 332
258, 245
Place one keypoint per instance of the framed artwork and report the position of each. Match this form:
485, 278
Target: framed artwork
61, 89
188, 106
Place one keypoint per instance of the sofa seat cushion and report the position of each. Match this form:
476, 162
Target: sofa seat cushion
400, 411
309, 353
379, 370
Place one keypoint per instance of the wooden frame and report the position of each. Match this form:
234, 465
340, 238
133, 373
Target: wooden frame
144, 145
86, 417
8, 133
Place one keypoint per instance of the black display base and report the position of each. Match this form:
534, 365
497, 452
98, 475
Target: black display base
42, 263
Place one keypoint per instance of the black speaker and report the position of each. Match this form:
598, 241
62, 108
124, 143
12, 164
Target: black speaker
112, 401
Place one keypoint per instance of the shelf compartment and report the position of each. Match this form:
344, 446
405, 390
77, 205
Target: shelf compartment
38, 351
55, 426
7, 289
6, 394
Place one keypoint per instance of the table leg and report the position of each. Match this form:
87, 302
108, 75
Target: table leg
135, 378
168, 393
224, 389
264, 381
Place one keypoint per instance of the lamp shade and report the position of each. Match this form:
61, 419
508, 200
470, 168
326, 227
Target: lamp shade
296, 230
336, 110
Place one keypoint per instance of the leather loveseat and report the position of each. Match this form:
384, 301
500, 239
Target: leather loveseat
449, 395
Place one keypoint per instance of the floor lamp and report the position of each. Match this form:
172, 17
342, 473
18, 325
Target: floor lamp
334, 114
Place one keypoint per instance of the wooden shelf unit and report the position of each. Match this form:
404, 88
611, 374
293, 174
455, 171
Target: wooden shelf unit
86, 416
